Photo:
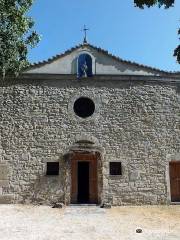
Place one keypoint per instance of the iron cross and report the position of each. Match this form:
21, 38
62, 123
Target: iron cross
85, 33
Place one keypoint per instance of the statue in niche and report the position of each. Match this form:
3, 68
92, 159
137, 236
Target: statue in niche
84, 66
85, 69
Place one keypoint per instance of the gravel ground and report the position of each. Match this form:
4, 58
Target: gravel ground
26, 222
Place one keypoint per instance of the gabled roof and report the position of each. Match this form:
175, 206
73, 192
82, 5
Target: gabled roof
100, 50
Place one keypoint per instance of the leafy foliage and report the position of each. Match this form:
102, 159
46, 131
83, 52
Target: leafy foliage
177, 51
16, 35
150, 3
166, 3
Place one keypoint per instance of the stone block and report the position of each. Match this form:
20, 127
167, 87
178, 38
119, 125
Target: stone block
4, 183
4, 172
6, 199
133, 176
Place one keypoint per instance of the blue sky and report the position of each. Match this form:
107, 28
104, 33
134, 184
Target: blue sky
144, 36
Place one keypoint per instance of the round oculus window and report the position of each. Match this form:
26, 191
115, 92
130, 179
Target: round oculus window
84, 107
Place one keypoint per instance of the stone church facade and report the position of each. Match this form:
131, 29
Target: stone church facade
88, 127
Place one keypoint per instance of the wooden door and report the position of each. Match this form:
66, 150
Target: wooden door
175, 181
93, 183
74, 184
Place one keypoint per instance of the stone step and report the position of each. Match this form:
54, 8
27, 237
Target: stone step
83, 209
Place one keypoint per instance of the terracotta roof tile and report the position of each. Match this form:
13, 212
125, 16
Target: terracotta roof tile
41, 63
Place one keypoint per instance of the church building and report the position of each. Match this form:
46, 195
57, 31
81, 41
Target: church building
87, 127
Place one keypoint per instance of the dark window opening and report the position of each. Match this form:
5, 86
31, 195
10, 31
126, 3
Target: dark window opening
84, 65
52, 168
115, 168
84, 107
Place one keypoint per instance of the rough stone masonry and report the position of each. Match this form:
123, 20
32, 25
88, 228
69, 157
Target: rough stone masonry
136, 122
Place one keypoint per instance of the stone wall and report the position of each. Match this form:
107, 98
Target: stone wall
136, 123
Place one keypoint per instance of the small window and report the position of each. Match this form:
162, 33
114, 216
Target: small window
115, 168
52, 168
84, 107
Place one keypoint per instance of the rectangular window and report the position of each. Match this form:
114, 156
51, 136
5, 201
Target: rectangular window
52, 168
115, 168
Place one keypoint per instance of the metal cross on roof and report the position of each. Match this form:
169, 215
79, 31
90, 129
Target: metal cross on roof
85, 33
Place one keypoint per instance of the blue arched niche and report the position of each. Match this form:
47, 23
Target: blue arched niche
84, 63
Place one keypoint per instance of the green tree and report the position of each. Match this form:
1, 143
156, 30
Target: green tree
16, 36
161, 3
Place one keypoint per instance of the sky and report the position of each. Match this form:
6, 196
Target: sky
146, 36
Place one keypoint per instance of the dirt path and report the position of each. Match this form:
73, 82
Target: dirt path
22, 222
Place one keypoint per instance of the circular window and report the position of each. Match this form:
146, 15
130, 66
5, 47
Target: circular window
84, 107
